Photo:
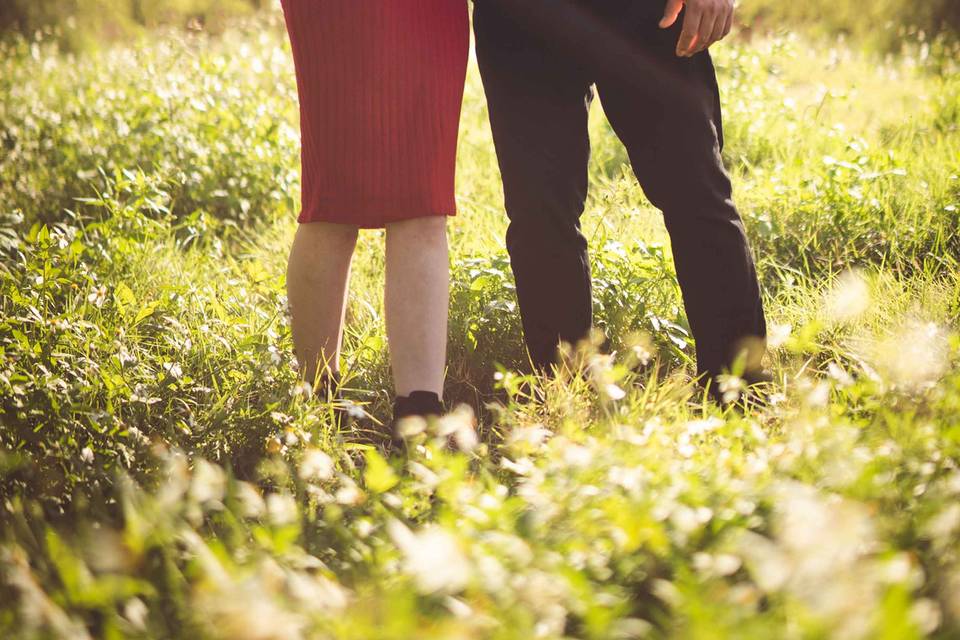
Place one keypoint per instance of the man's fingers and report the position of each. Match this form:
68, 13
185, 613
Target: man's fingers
729, 25
719, 29
670, 13
690, 33
705, 33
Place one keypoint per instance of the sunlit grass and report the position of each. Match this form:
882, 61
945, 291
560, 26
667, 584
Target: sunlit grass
163, 474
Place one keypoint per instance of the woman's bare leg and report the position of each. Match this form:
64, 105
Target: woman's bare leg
318, 273
417, 295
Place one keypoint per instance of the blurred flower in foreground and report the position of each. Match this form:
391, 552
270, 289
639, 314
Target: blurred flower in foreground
914, 357
823, 554
731, 387
281, 508
527, 439
641, 348
614, 392
460, 425
316, 465
778, 334
136, 612
246, 610
208, 482
432, 556
849, 297
926, 615
546, 597
250, 501
38, 611
605, 375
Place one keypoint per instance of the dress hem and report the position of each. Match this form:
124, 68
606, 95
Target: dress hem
349, 216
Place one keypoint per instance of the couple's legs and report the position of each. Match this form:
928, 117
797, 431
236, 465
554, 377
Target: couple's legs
417, 275
538, 101
538, 106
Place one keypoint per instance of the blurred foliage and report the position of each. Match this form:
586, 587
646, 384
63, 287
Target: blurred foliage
81, 24
214, 131
882, 23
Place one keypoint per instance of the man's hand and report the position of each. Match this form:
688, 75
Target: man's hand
705, 22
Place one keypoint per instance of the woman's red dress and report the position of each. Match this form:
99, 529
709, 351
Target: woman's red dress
381, 86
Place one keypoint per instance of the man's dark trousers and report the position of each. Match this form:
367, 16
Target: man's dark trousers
539, 94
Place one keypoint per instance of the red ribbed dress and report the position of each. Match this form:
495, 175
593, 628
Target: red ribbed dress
381, 86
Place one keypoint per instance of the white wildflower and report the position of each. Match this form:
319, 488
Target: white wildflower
614, 391
730, 387
842, 378
423, 474
945, 526
97, 296
317, 592
173, 369
251, 502
411, 426
208, 482
316, 465
700, 427
577, 455
527, 439
849, 297
458, 608
247, 610
915, 357
768, 564
522, 467
432, 557
818, 395
135, 612
925, 613
778, 334
281, 508
349, 493
460, 424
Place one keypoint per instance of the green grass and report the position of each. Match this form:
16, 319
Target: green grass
82, 25
163, 474
881, 24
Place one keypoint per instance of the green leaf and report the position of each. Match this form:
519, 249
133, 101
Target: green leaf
124, 298
145, 312
22, 339
379, 475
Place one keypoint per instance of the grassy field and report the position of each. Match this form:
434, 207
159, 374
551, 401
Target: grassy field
880, 24
163, 474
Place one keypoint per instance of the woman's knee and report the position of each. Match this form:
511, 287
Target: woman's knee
425, 230
327, 235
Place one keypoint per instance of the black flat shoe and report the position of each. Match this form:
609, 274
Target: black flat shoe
424, 404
